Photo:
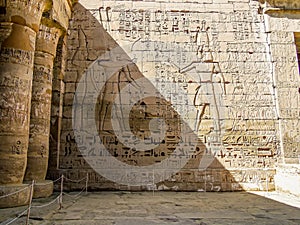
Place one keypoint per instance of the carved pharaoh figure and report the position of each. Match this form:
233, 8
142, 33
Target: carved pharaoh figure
207, 73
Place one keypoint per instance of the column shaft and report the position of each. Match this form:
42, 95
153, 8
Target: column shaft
16, 66
38, 150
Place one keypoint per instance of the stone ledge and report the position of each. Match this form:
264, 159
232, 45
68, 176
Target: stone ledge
43, 189
287, 179
19, 199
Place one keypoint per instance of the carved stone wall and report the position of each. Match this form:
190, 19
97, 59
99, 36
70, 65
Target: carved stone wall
283, 25
179, 48
143, 95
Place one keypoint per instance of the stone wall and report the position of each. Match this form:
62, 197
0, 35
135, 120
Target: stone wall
148, 95
203, 75
283, 26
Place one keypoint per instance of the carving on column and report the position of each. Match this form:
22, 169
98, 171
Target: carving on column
27, 13
38, 149
53, 25
279, 7
15, 82
18, 148
283, 4
19, 23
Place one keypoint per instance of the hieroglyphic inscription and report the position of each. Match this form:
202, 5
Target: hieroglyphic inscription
14, 106
17, 56
181, 50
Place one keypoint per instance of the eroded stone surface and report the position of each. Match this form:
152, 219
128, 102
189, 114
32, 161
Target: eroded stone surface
227, 70
38, 150
16, 64
20, 48
167, 42
21, 197
169, 208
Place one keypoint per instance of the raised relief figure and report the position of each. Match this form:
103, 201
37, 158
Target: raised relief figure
206, 72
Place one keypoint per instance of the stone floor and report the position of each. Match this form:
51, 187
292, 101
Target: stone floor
143, 208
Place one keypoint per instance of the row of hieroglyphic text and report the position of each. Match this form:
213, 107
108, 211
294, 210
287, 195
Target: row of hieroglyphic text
180, 51
165, 41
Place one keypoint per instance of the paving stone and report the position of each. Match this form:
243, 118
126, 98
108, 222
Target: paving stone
143, 208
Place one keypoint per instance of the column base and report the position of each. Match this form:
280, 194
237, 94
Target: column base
18, 199
42, 188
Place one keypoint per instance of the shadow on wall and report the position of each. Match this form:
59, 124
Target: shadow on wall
200, 170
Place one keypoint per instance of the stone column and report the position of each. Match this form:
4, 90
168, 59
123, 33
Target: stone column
38, 149
19, 24
57, 106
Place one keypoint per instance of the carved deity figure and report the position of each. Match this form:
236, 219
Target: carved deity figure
211, 83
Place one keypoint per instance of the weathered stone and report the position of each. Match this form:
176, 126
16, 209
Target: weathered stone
25, 13
283, 4
226, 70
20, 23
42, 188
38, 149
46, 51
21, 197
16, 62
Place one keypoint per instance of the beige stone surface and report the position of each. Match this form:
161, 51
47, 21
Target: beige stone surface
43, 189
167, 208
26, 13
283, 4
38, 149
283, 28
16, 62
21, 46
14, 195
157, 34
212, 87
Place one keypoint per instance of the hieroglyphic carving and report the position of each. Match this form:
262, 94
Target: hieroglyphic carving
19, 56
164, 42
14, 106
18, 148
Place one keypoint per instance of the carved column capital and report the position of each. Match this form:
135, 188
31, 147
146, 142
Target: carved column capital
24, 12
47, 38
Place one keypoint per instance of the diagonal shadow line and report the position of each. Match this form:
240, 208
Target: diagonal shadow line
215, 177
